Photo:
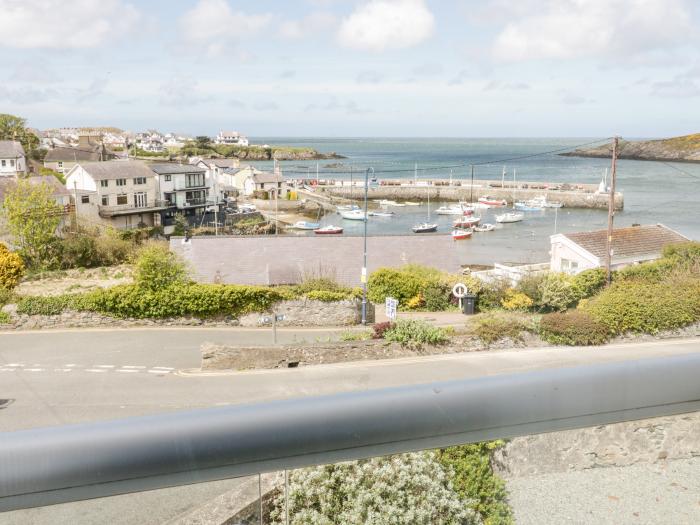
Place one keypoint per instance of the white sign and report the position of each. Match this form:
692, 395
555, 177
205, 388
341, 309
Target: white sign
459, 290
391, 306
363, 275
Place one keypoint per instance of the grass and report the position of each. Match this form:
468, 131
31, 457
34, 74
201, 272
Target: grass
5, 318
352, 335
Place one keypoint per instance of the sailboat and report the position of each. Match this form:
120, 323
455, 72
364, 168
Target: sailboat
425, 227
511, 216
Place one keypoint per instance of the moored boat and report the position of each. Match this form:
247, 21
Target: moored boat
449, 210
466, 222
424, 228
509, 217
386, 202
409, 203
486, 227
305, 225
348, 207
329, 230
527, 206
353, 215
380, 213
458, 235
490, 201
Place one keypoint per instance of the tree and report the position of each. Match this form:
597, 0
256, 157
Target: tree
404, 489
32, 218
203, 142
14, 128
157, 267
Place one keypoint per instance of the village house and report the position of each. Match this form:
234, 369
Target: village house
12, 159
271, 183
231, 138
89, 149
119, 193
222, 175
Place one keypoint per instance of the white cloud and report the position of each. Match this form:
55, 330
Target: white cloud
214, 28
55, 24
310, 24
611, 29
377, 25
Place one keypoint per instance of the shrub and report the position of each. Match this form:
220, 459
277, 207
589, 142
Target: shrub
412, 332
575, 327
5, 318
558, 292
654, 271
494, 327
436, 297
158, 268
634, 306
51, 305
11, 268
515, 300
390, 282
530, 285
381, 328
414, 303
316, 284
492, 294
475, 482
327, 296
6, 296
364, 335
589, 282
79, 251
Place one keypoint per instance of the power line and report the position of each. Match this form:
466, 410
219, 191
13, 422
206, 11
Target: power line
681, 170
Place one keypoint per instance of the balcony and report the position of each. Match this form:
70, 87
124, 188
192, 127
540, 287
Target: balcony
130, 209
201, 201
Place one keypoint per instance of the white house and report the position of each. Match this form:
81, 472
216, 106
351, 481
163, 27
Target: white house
222, 175
12, 159
231, 137
574, 252
267, 181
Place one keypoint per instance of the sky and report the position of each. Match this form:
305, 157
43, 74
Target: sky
360, 68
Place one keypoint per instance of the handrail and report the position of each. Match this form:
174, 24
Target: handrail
68, 463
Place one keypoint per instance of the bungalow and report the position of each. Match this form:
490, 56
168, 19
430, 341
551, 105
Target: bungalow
12, 159
119, 193
574, 252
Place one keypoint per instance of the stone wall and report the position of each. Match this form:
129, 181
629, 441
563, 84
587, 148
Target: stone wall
306, 312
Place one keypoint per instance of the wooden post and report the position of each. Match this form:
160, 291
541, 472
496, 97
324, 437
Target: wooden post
611, 213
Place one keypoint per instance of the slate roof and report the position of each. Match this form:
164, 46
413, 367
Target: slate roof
117, 169
262, 177
628, 243
222, 163
172, 169
10, 149
6, 183
70, 154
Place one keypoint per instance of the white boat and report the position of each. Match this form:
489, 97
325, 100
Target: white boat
544, 203
510, 217
409, 203
380, 213
492, 202
458, 235
424, 227
449, 210
385, 202
398, 204
347, 207
305, 225
329, 230
466, 222
486, 227
528, 206
353, 215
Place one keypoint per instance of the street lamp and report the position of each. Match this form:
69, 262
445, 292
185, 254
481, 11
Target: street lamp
364, 261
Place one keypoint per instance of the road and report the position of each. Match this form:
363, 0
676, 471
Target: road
76, 376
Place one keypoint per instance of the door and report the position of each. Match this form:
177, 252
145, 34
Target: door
140, 200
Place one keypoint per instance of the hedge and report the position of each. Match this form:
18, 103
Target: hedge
11, 268
575, 328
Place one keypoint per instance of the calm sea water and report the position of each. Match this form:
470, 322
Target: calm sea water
653, 191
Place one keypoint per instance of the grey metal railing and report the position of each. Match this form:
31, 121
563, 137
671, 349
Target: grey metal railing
59, 464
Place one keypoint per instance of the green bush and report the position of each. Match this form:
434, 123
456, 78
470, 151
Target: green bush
52, 305
654, 271
327, 296
494, 327
515, 300
634, 306
6, 296
390, 282
558, 292
492, 295
474, 480
11, 268
412, 332
436, 297
318, 284
588, 282
158, 268
5, 318
574, 327
530, 285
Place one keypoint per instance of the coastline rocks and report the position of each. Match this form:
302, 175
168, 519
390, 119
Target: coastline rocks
679, 149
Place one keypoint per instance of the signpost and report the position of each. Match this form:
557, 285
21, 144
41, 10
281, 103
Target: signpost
273, 319
391, 305
459, 290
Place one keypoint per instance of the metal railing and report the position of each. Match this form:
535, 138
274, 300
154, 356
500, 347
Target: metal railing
59, 464
108, 211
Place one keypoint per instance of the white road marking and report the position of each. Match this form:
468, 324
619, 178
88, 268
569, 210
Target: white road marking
71, 364
7, 369
133, 366
33, 369
159, 371
95, 370
62, 369
14, 364
105, 366
162, 368
128, 370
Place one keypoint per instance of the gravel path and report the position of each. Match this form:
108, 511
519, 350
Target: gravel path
659, 493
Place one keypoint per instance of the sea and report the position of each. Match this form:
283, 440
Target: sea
654, 192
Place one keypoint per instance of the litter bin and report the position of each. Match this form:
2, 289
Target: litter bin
469, 304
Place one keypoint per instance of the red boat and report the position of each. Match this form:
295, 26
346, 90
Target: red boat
466, 222
458, 235
329, 230
490, 201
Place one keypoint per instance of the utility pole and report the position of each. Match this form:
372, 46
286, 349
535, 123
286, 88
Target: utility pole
317, 173
611, 212
364, 260
415, 174
471, 187
350, 182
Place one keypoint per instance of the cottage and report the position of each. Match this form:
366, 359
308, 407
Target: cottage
231, 138
119, 193
574, 252
12, 159
89, 149
268, 182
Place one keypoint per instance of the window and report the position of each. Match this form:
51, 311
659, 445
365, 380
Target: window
192, 180
105, 200
140, 200
121, 182
4, 162
85, 199
168, 178
12, 162
121, 199
140, 180
60, 163
569, 266
104, 183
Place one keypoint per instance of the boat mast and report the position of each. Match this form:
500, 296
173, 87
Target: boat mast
513, 188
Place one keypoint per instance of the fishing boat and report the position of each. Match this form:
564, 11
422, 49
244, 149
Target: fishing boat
490, 201
528, 206
486, 227
450, 210
458, 235
466, 222
409, 203
353, 215
424, 227
329, 230
380, 213
305, 225
510, 217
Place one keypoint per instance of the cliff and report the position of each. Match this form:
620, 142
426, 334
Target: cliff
260, 152
678, 149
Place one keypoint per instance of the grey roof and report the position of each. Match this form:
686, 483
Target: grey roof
222, 163
171, 169
58, 188
635, 241
10, 149
262, 177
70, 154
117, 169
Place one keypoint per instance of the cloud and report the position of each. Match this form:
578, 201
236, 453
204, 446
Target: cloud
27, 95
234, 103
180, 91
614, 30
310, 24
494, 85
683, 85
428, 69
266, 106
572, 99
369, 77
334, 105
378, 25
288, 73
94, 89
212, 27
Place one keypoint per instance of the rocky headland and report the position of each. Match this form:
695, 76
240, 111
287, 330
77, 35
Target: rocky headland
677, 149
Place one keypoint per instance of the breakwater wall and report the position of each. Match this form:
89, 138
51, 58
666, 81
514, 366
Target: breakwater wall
571, 195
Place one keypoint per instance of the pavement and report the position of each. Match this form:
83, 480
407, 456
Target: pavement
71, 376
